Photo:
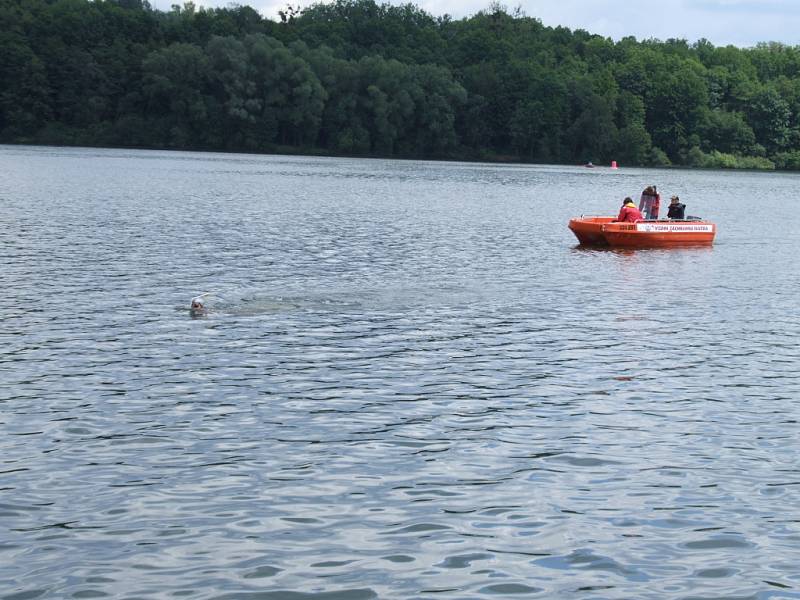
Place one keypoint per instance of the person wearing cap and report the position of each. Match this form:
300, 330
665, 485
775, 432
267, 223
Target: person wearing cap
197, 306
676, 209
629, 213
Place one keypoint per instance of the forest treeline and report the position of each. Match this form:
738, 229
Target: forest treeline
355, 77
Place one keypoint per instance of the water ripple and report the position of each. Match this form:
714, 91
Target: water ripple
409, 383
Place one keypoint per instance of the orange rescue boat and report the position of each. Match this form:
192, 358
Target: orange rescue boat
603, 231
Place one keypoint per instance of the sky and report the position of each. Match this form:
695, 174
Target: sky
737, 22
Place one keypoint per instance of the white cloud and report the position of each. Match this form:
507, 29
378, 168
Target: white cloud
738, 22
757, 6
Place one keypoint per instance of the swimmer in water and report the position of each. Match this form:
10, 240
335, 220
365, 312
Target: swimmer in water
197, 306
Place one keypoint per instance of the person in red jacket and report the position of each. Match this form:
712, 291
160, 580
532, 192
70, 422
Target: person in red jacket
629, 213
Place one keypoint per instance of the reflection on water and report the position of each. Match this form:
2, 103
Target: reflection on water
409, 383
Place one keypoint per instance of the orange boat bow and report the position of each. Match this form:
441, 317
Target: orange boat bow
589, 230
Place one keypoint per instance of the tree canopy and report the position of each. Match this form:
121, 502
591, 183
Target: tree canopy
357, 77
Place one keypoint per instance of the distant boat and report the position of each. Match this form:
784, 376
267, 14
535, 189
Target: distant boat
603, 231
589, 165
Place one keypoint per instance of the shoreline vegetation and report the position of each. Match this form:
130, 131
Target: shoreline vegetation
288, 151
363, 79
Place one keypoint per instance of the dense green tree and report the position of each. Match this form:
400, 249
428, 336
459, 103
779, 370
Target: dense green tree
369, 78
436, 99
727, 132
175, 83
24, 90
769, 115
234, 118
289, 93
634, 142
342, 128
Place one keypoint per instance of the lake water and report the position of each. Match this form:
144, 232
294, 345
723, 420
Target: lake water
410, 383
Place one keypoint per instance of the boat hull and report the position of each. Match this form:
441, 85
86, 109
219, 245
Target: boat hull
603, 231
659, 234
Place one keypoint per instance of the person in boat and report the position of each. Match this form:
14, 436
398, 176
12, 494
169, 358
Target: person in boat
676, 209
629, 213
650, 202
